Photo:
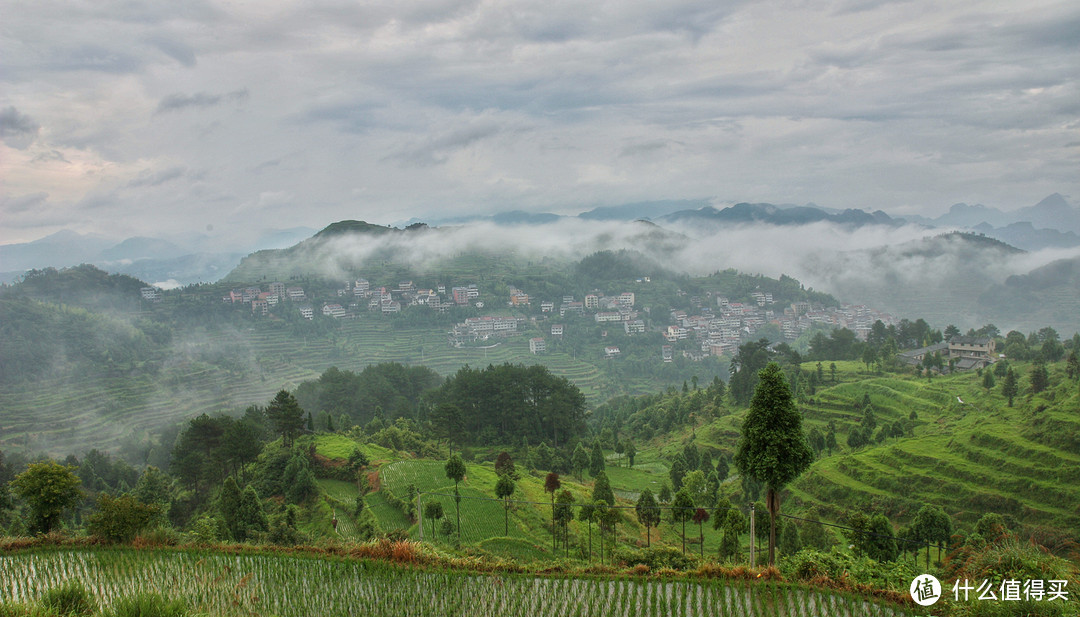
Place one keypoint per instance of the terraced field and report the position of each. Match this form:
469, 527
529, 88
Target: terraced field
969, 452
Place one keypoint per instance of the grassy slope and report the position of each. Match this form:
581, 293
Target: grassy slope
970, 458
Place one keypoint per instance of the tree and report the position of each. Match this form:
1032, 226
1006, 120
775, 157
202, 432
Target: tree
596, 458
817, 440
229, 506
1040, 378
564, 513
446, 420
830, 440
551, 485
252, 516
286, 417
602, 489
682, 510
665, 493
691, 456
120, 519
48, 488
722, 468
789, 539
299, 480
504, 488
455, 470
579, 461
1072, 365
773, 448
701, 516
728, 518
1010, 388
587, 514
630, 451
504, 466
931, 525
648, 514
696, 484
433, 511
988, 380
678, 469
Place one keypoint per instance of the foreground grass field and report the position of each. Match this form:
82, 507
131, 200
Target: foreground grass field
288, 585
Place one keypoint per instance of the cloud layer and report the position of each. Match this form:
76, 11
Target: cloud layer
132, 118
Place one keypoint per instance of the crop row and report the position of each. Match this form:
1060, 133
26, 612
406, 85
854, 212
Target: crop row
231, 584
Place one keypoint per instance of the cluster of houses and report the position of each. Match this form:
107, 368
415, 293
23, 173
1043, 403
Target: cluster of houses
388, 300
261, 301
963, 353
477, 329
721, 329
353, 297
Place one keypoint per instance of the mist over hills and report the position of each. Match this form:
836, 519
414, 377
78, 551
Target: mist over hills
896, 263
189, 258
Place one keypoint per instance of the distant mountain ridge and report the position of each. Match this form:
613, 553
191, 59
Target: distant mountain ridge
150, 259
747, 213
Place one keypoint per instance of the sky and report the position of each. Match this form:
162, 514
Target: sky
225, 118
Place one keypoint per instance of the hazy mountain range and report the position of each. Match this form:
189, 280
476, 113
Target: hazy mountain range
1051, 223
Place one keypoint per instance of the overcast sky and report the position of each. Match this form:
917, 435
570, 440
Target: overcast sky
156, 117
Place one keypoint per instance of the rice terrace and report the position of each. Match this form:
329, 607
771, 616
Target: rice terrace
296, 585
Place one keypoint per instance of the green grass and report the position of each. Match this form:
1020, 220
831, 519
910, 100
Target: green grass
388, 516
215, 583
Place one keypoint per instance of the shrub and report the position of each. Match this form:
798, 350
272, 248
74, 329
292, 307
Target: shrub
119, 519
69, 599
147, 605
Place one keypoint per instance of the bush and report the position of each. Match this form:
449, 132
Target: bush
69, 599
147, 605
811, 564
119, 519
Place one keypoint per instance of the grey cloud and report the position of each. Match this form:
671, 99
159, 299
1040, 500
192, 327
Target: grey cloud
152, 179
23, 203
436, 150
51, 155
177, 50
178, 102
98, 58
17, 129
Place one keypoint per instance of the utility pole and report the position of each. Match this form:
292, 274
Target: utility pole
752, 555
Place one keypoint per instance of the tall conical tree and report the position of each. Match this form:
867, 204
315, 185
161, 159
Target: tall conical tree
773, 448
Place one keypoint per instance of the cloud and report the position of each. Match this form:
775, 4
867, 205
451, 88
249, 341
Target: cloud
437, 149
23, 203
177, 50
387, 111
17, 130
179, 102
157, 178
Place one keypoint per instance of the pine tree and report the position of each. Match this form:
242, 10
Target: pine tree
286, 417
596, 459
579, 461
1040, 378
602, 489
1009, 389
229, 506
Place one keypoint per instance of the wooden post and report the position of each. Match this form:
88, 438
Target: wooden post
752, 556
420, 515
